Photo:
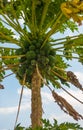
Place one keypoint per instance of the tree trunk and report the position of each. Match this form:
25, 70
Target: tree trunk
36, 103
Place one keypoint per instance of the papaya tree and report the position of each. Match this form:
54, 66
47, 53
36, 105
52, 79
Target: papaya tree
39, 57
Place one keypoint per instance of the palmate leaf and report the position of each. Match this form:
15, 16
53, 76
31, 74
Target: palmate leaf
7, 35
66, 126
18, 127
69, 24
67, 47
35, 22
2, 73
71, 9
19, 6
6, 62
51, 14
79, 51
71, 47
55, 126
25, 36
5, 52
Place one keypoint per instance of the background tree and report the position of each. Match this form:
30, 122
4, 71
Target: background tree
39, 57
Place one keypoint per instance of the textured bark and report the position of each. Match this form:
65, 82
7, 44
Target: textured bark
36, 103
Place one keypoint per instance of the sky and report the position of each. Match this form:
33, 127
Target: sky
9, 98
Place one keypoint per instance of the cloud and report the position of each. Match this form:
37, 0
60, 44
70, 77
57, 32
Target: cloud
26, 92
8, 110
11, 110
46, 96
47, 99
61, 118
26, 97
48, 104
4, 129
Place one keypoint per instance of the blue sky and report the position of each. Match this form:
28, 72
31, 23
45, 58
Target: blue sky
9, 98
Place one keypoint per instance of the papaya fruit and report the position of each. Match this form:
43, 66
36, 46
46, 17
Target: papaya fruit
30, 55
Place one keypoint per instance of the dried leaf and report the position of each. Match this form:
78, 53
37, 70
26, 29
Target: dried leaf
73, 79
1, 86
66, 107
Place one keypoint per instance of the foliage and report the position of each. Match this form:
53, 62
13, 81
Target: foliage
18, 127
71, 9
35, 41
55, 126
32, 26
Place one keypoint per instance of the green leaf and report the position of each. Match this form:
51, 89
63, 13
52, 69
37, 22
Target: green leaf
55, 126
18, 127
69, 24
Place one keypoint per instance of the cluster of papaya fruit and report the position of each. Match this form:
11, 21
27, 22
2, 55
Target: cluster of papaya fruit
34, 54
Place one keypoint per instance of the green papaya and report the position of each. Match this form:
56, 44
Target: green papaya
33, 62
32, 47
30, 55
